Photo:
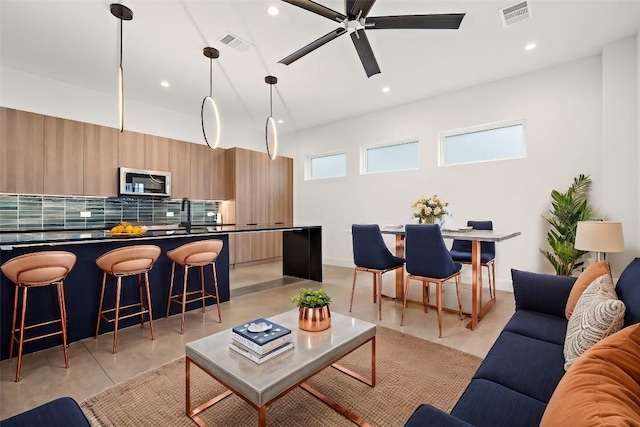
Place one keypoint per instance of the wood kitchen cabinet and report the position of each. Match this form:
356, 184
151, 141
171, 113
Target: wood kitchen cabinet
131, 150
218, 175
263, 192
180, 168
22, 148
63, 156
156, 153
200, 170
100, 165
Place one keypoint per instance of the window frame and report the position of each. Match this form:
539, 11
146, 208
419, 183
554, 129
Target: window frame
363, 155
308, 169
480, 128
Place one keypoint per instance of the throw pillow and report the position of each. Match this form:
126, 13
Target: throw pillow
602, 388
590, 274
597, 315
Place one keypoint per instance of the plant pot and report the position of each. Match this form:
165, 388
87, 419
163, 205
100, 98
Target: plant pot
314, 319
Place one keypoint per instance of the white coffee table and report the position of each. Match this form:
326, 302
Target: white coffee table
261, 385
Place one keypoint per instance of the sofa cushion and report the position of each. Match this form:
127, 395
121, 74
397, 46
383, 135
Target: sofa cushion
61, 412
628, 290
591, 273
602, 387
527, 365
545, 293
487, 404
541, 326
597, 315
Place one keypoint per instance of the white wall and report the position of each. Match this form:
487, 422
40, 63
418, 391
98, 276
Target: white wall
29, 92
620, 145
563, 111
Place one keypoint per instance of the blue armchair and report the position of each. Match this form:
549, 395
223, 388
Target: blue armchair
371, 254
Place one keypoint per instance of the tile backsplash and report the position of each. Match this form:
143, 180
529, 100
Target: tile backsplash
31, 212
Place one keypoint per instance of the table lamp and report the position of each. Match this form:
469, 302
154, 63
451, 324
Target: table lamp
599, 236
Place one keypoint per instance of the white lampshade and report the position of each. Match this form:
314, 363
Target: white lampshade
599, 236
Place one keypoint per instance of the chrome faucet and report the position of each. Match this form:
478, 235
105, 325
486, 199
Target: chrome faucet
186, 224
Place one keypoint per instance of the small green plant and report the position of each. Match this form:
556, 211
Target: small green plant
568, 209
311, 298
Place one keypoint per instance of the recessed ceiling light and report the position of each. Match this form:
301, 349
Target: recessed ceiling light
530, 46
280, 121
164, 84
386, 89
273, 11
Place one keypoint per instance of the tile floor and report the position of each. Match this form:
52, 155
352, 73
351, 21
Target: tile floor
93, 367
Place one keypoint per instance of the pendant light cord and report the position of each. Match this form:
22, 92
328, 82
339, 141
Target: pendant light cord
121, 43
271, 100
211, 77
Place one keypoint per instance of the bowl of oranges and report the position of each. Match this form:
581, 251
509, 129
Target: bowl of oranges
125, 229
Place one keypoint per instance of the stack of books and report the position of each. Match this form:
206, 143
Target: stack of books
260, 340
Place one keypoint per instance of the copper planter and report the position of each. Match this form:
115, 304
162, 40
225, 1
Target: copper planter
314, 319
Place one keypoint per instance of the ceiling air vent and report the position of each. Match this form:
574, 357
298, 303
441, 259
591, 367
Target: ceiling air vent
515, 13
236, 42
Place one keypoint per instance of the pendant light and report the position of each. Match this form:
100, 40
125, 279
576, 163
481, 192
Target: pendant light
209, 104
123, 13
270, 131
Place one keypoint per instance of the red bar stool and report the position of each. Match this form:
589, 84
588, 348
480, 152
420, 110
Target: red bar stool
37, 270
128, 261
196, 254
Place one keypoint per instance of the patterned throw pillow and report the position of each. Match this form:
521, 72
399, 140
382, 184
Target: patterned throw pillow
597, 315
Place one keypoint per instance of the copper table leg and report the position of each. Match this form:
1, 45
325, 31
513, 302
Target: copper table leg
193, 413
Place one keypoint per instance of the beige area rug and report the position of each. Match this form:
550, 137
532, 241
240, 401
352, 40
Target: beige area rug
410, 371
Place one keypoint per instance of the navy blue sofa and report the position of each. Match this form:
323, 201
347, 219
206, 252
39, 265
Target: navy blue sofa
515, 381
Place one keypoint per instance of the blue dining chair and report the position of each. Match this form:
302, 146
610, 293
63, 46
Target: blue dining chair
370, 254
461, 252
429, 261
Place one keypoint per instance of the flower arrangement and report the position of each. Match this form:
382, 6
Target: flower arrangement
427, 210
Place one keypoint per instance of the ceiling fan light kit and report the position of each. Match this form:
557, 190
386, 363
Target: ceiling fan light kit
355, 21
270, 130
209, 115
123, 13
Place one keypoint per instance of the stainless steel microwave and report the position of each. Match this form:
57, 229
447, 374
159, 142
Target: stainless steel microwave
141, 182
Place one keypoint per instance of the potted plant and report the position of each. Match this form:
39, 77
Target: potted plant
314, 309
567, 209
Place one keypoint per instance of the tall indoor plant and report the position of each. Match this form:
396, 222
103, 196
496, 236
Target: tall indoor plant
567, 209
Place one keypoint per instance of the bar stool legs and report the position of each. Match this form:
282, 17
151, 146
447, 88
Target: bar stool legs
144, 309
183, 296
23, 313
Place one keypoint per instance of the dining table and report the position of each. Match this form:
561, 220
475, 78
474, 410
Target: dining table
476, 237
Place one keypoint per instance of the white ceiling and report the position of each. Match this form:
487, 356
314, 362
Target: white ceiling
77, 42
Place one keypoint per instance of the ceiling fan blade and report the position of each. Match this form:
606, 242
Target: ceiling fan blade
444, 21
317, 8
368, 59
355, 7
313, 46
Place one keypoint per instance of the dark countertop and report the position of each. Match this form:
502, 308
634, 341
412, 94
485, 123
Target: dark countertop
51, 238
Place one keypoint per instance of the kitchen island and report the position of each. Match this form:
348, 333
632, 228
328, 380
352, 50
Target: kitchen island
302, 257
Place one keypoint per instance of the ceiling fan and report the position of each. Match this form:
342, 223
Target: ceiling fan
355, 21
